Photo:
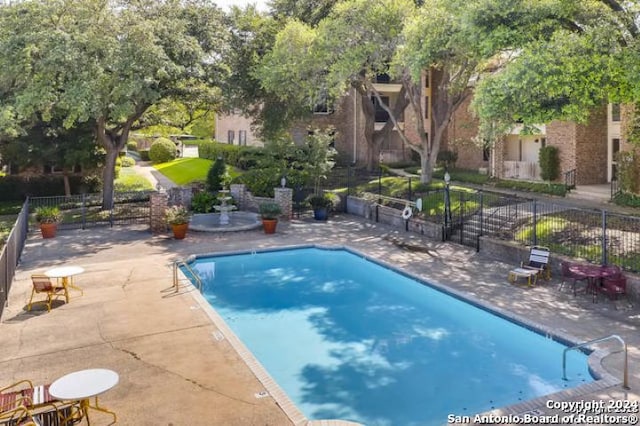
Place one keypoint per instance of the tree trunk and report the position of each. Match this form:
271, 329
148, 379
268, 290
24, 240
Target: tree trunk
67, 185
108, 177
113, 141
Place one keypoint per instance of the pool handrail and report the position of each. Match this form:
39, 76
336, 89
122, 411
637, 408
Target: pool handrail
176, 281
625, 373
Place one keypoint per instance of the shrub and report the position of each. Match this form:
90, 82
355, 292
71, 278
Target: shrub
132, 146
162, 150
544, 188
270, 210
203, 202
626, 199
317, 201
127, 162
628, 171
446, 158
216, 175
48, 214
13, 188
177, 215
549, 163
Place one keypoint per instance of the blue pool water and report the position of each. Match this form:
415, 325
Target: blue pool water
349, 339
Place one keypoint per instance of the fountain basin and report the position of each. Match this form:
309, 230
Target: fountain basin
238, 221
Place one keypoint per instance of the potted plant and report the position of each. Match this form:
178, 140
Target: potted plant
48, 217
178, 218
321, 205
269, 212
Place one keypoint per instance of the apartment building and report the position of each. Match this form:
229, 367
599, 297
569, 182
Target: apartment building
587, 151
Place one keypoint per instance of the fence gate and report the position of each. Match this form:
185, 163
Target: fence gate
463, 218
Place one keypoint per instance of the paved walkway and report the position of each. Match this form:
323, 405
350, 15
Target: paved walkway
144, 168
175, 371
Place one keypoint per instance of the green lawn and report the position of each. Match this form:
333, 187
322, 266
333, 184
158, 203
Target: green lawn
130, 181
185, 170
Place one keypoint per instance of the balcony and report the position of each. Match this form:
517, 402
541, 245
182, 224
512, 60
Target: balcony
384, 84
526, 170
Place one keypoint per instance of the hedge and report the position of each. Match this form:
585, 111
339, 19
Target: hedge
17, 188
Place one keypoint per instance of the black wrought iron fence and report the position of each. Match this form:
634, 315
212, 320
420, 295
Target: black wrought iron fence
85, 210
10, 254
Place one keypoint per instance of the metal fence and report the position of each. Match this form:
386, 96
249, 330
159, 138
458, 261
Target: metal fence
10, 254
595, 235
85, 210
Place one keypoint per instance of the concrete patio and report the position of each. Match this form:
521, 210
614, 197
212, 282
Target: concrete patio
174, 371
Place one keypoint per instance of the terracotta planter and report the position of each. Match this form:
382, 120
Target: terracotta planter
180, 231
269, 225
48, 229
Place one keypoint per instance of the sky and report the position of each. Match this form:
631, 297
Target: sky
226, 4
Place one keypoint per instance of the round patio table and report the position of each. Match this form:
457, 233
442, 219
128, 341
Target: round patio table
594, 274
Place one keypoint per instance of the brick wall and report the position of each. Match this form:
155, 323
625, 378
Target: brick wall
562, 135
461, 136
591, 149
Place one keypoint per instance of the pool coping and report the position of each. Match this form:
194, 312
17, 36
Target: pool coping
602, 378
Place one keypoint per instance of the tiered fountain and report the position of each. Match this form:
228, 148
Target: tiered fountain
226, 219
224, 208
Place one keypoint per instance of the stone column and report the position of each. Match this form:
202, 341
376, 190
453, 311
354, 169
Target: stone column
158, 202
239, 194
284, 197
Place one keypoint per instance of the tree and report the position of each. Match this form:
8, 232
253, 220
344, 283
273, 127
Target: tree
251, 37
103, 62
50, 144
579, 56
347, 49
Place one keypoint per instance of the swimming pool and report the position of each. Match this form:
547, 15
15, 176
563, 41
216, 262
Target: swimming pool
350, 339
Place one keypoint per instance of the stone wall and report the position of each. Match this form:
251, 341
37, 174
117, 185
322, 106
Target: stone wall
247, 201
158, 203
504, 251
510, 252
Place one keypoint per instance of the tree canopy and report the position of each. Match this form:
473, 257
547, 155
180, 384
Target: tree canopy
103, 62
573, 57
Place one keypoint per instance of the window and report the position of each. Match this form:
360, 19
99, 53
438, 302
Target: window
426, 79
615, 112
383, 78
242, 137
486, 153
323, 103
615, 147
543, 142
426, 107
230, 137
382, 116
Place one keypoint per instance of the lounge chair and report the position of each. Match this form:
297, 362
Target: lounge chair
43, 284
573, 278
538, 261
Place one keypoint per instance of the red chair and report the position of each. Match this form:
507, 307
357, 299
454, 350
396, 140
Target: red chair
573, 278
614, 286
27, 401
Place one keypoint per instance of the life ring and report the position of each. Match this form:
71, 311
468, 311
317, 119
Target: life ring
406, 213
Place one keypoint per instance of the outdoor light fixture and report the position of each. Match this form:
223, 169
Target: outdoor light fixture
283, 181
447, 178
